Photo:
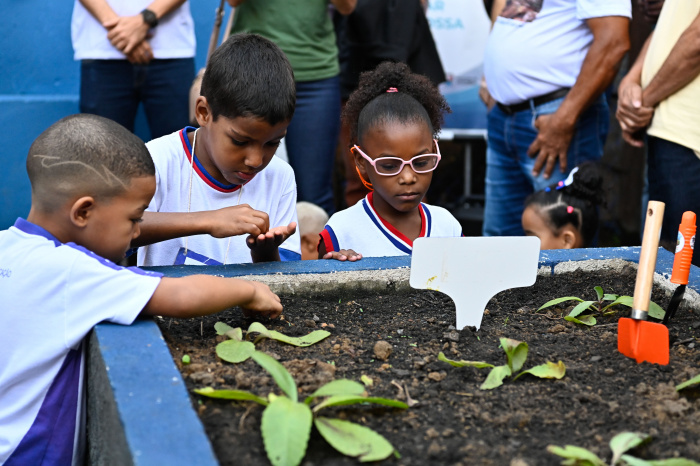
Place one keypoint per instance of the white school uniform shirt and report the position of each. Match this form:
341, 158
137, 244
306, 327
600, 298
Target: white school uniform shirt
535, 48
52, 295
363, 230
273, 191
173, 37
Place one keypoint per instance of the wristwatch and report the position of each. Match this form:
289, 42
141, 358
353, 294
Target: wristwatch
149, 18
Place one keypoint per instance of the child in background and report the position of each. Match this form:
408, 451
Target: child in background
393, 118
312, 218
91, 181
565, 215
221, 195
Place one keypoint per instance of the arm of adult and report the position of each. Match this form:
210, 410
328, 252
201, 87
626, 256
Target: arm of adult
344, 7
681, 67
610, 43
631, 114
484, 93
100, 10
126, 32
496, 9
198, 295
141, 54
229, 221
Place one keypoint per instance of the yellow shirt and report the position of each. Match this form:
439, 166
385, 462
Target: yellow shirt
676, 119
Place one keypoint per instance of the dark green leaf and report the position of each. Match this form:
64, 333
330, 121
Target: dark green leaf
559, 300
278, 372
354, 440
338, 387
548, 370
285, 428
495, 377
344, 400
516, 352
230, 395
234, 351
462, 363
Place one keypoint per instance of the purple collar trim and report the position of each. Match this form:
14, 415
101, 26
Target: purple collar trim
32, 229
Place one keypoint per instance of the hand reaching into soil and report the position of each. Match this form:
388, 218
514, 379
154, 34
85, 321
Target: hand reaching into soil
199, 295
264, 303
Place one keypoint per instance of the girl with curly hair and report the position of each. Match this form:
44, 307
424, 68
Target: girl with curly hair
393, 117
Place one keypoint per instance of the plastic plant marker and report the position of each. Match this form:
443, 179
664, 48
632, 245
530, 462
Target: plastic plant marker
471, 270
637, 338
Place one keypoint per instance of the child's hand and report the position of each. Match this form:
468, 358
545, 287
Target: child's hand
264, 246
237, 220
343, 255
264, 303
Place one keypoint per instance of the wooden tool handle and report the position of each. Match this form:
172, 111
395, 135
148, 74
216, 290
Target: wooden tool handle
647, 257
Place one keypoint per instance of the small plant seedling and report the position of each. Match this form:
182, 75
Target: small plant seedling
238, 350
286, 422
620, 444
516, 351
689, 383
186, 359
579, 313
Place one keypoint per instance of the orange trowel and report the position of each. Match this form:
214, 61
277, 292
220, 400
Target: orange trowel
636, 337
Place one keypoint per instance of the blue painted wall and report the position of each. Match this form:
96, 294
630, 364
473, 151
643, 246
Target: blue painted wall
39, 84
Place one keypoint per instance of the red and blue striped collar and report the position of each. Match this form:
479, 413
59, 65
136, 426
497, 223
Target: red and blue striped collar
201, 171
395, 236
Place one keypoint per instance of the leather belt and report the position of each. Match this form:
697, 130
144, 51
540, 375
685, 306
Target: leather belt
534, 102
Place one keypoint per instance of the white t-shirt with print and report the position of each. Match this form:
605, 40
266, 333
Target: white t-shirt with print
538, 46
53, 294
273, 191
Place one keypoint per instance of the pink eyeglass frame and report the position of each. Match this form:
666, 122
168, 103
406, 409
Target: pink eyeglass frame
403, 162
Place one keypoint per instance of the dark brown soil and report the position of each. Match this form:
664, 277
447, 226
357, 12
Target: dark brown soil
602, 394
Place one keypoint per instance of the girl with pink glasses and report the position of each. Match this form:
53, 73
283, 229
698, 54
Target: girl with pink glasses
393, 117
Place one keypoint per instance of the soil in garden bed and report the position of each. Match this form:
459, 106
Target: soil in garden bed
603, 393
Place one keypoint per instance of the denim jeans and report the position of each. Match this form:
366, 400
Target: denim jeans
311, 140
674, 179
509, 177
115, 88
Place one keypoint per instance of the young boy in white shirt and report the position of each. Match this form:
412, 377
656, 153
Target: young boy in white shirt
91, 182
221, 195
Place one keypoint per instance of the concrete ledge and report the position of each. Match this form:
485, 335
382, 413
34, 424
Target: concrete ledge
139, 411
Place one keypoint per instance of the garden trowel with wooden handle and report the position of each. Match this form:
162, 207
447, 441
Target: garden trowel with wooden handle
681, 262
637, 338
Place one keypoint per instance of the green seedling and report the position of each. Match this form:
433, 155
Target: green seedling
238, 350
186, 359
619, 445
287, 422
689, 383
580, 313
516, 351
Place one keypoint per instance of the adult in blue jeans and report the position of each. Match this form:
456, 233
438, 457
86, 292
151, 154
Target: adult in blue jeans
547, 65
304, 31
135, 52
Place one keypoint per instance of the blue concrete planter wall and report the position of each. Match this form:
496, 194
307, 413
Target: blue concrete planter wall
139, 411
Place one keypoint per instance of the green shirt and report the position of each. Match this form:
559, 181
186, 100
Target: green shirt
301, 28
